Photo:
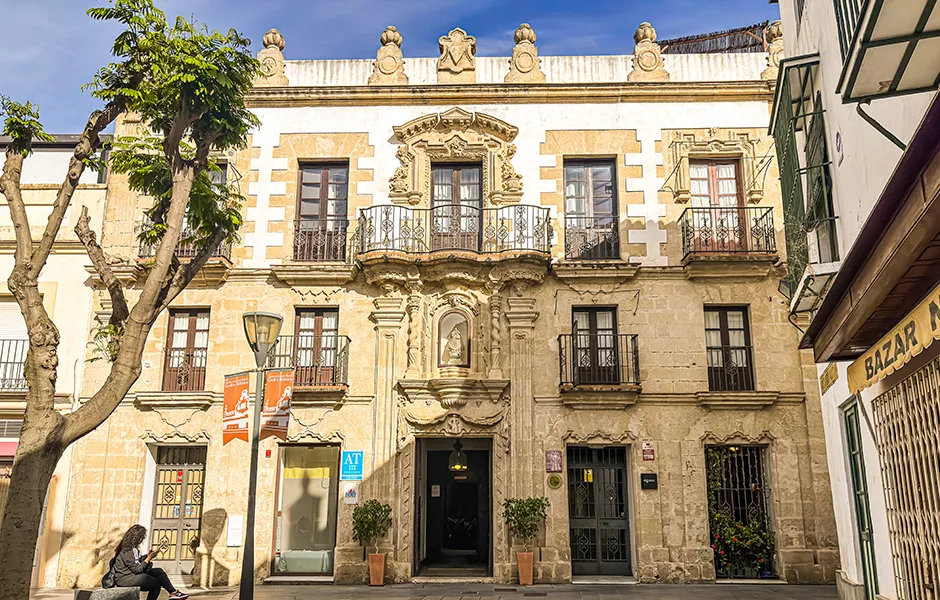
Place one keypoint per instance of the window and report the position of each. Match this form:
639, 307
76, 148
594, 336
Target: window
316, 340
819, 186
320, 229
186, 352
728, 348
591, 226
456, 198
594, 335
715, 183
219, 177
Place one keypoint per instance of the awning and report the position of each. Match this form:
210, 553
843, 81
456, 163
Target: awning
889, 47
906, 340
8, 449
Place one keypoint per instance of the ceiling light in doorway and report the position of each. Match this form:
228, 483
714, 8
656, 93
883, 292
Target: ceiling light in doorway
458, 459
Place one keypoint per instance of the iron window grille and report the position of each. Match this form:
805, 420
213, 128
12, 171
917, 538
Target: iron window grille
12, 361
591, 222
729, 355
316, 351
321, 226
187, 349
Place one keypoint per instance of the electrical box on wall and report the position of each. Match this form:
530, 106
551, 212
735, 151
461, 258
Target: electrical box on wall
649, 481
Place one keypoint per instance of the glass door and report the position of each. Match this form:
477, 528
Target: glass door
307, 504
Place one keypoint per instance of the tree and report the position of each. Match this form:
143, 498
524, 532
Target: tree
189, 85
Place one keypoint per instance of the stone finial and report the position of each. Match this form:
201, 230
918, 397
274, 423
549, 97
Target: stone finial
389, 66
774, 36
525, 65
648, 64
457, 63
272, 60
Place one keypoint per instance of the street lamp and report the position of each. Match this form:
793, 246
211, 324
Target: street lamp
261, 329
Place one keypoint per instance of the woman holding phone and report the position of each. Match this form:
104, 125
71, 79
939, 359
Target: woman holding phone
131, 569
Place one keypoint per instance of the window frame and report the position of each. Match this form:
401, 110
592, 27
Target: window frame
197, 372
717, 381
591, 237
324, 216
318, 372
596, 372
714, 197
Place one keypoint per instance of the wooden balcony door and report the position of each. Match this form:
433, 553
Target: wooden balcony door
456, 213
316, 340
595, 345
591, 224
715, 184
187, 351
320, 230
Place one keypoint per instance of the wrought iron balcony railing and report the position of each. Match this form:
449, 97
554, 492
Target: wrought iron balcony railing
187, 249
730, 368
728, 230
598, 359
320, 240
317, 360
184, 369
12, 357
519, 228
592, 238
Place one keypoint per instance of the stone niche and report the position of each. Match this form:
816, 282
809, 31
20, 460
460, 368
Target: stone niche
455, 135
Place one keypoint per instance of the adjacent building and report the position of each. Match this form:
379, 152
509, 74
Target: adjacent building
561, 272
856, 120
68, 300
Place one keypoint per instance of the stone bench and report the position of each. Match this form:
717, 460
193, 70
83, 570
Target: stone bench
120, 593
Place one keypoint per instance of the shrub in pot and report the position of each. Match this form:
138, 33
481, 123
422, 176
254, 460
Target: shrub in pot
372, 520
524, 517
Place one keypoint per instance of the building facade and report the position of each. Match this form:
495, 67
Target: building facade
68, 300
855, 121
569, 265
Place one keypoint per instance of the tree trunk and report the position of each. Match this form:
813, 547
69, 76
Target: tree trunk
37, 454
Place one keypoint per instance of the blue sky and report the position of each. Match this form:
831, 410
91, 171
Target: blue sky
52, 48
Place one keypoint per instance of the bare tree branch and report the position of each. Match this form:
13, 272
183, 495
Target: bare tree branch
87, 144
10, 187
119, 310
187, 271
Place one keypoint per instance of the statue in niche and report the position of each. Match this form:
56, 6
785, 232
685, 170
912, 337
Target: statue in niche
454, 340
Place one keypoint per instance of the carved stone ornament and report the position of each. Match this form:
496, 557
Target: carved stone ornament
272, 60
455, 135
525, 65
389, 67
457, 63
774, 36
716, 143
648, 64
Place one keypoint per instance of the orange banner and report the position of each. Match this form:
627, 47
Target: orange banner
235, 408
275, 418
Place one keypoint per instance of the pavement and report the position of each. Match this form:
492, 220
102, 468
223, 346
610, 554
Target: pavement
736, 591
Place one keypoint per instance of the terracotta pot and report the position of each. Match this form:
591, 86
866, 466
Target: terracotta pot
525, 567
376, 569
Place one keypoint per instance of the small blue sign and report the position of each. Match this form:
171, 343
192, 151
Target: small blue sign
351, 465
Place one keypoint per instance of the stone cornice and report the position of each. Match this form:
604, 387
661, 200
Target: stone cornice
502, 93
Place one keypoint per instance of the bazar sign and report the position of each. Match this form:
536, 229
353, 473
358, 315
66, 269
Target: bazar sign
916, 331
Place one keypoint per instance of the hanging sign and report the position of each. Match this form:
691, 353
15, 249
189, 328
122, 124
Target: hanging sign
277, 393
916, 331
235, 408
351, 465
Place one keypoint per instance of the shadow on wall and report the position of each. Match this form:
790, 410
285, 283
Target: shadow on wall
209, 571
101, 555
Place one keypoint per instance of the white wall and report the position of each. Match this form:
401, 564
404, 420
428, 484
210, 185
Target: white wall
49, 165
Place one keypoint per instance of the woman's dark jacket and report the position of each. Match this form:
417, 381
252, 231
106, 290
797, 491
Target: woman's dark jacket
126, 565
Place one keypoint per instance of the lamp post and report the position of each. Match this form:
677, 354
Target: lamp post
261, 329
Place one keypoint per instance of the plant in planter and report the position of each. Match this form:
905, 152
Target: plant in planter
372, 520
524, 517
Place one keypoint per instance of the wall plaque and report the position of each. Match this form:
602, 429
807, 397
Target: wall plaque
649, 481
553, 461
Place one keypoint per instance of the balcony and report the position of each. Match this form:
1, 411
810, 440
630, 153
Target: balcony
733, 230
12, 358
592, 238
187, 249
730, 368
320, 240
598, 370
889, 47
184, 369
320, 362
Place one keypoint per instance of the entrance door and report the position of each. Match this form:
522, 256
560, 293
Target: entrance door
453, 510
597, 511
860, 491
177, 507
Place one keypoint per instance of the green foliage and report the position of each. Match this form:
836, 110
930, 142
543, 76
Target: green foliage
165, 70
21, 124
524, 517
105, 343
371, 520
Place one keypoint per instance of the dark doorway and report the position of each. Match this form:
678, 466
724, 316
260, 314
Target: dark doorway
597, 511
453, 510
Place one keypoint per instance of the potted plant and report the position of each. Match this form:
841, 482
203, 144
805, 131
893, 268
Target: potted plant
524, 517
372, 520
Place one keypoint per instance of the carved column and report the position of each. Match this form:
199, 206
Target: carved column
496, 334
521, 316
413, 369
387, 316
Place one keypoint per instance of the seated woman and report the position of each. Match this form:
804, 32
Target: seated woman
131, 569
